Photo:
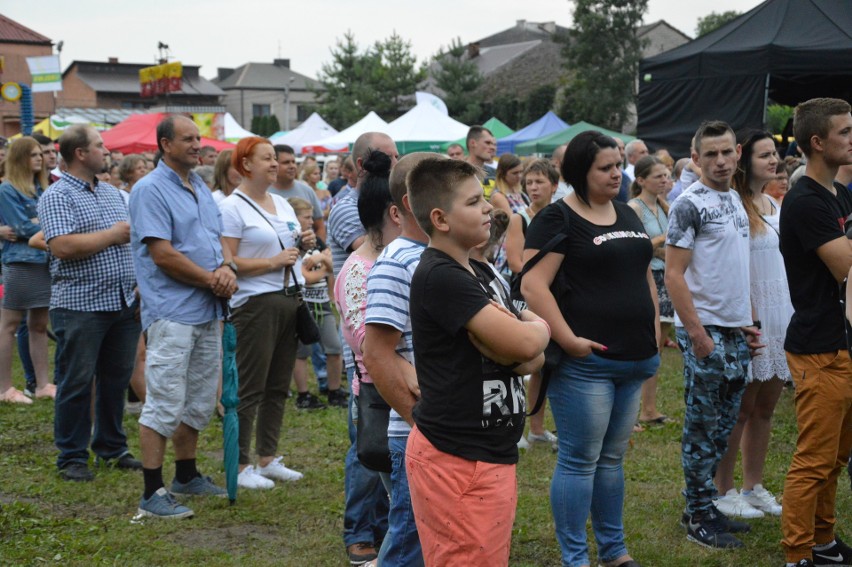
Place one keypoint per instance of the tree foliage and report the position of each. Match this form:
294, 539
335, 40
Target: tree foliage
777, 116
602, 57
380, 78
265, 125
459, 78
518, 112
714, 20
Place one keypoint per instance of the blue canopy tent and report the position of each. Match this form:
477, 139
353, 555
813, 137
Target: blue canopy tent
547, 124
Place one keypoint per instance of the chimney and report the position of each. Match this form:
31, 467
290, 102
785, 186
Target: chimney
281, 63
112, 60
473, 50
521, 23
223, 73
549, 27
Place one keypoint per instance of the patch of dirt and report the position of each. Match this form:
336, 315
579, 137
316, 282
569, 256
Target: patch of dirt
232, 539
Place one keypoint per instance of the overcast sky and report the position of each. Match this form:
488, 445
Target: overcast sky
219, 33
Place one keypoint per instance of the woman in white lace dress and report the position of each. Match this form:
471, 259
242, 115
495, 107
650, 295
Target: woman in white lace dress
770, 298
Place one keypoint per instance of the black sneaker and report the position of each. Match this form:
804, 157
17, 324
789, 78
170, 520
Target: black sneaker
707, 529
838, 554
77, 472
125, 462
337, 399
360, 553
732, 526
309, 402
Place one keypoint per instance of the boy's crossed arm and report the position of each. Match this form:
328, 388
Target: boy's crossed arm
507, 340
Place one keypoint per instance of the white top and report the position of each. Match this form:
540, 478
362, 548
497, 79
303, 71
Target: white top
219, 196
770, 296
714, 225
259, 240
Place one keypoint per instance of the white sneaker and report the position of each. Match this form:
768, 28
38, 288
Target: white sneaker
546, 437
762, 499
731, 504
250, 480
523, 443
277, 471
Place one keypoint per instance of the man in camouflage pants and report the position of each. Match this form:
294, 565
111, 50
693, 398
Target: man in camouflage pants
707, 275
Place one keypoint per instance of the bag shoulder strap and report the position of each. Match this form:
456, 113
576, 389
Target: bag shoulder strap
552, 243
280, 243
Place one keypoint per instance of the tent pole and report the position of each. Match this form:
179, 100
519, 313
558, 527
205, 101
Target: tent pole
765, 100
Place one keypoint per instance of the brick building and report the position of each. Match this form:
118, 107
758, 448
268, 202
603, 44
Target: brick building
110, 84
17, 42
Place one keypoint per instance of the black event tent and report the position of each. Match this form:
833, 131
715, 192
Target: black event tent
786, 51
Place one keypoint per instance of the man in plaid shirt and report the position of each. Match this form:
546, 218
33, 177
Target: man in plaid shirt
92, 309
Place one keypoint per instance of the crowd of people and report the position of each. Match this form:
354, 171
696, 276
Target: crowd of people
454, 294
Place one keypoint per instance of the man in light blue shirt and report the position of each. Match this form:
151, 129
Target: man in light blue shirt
185, 273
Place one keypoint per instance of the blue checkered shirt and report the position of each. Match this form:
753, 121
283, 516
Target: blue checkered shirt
102, 281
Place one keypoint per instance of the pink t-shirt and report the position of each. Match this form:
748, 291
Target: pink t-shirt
350, 294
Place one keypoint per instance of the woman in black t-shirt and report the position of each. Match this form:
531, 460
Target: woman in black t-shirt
596, 291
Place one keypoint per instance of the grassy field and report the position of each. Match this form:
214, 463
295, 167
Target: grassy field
46, 520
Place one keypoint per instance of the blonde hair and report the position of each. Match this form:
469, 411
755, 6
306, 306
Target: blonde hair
308, 170
300, 204
19, 173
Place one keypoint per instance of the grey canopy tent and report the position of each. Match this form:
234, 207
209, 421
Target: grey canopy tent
786, 51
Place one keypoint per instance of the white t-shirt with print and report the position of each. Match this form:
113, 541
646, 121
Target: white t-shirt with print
259, 240
714, 225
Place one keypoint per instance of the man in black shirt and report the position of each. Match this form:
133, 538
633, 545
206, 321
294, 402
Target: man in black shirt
817, 256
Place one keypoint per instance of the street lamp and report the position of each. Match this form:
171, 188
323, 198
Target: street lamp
287, 86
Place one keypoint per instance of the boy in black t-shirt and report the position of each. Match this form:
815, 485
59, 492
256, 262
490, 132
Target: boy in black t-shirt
817, 256
471, 351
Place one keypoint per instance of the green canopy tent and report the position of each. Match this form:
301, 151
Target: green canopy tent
497, 128
547, 144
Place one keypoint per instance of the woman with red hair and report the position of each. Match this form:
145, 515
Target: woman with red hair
264, 236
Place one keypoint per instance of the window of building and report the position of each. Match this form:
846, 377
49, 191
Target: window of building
258, 110
303, 112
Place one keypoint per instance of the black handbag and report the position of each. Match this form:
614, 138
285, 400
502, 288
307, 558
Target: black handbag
306, 328
372, 429
553, 353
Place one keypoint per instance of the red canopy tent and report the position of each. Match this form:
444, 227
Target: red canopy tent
138, 133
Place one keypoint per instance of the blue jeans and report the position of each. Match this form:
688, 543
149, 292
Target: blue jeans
99, 346
595, 402
318, 362
403, 543
365, 514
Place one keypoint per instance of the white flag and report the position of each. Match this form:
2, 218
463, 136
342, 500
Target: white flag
47, 76
429, 98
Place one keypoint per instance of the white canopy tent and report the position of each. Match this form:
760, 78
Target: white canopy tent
424, 128
340, 142
313, 128
233, 131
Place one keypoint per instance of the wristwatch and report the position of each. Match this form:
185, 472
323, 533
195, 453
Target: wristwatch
232, 265
757, 324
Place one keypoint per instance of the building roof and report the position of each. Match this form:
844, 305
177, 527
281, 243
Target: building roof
264, 76
493, 57
13, 32
113, 77
645, 29
523, 31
